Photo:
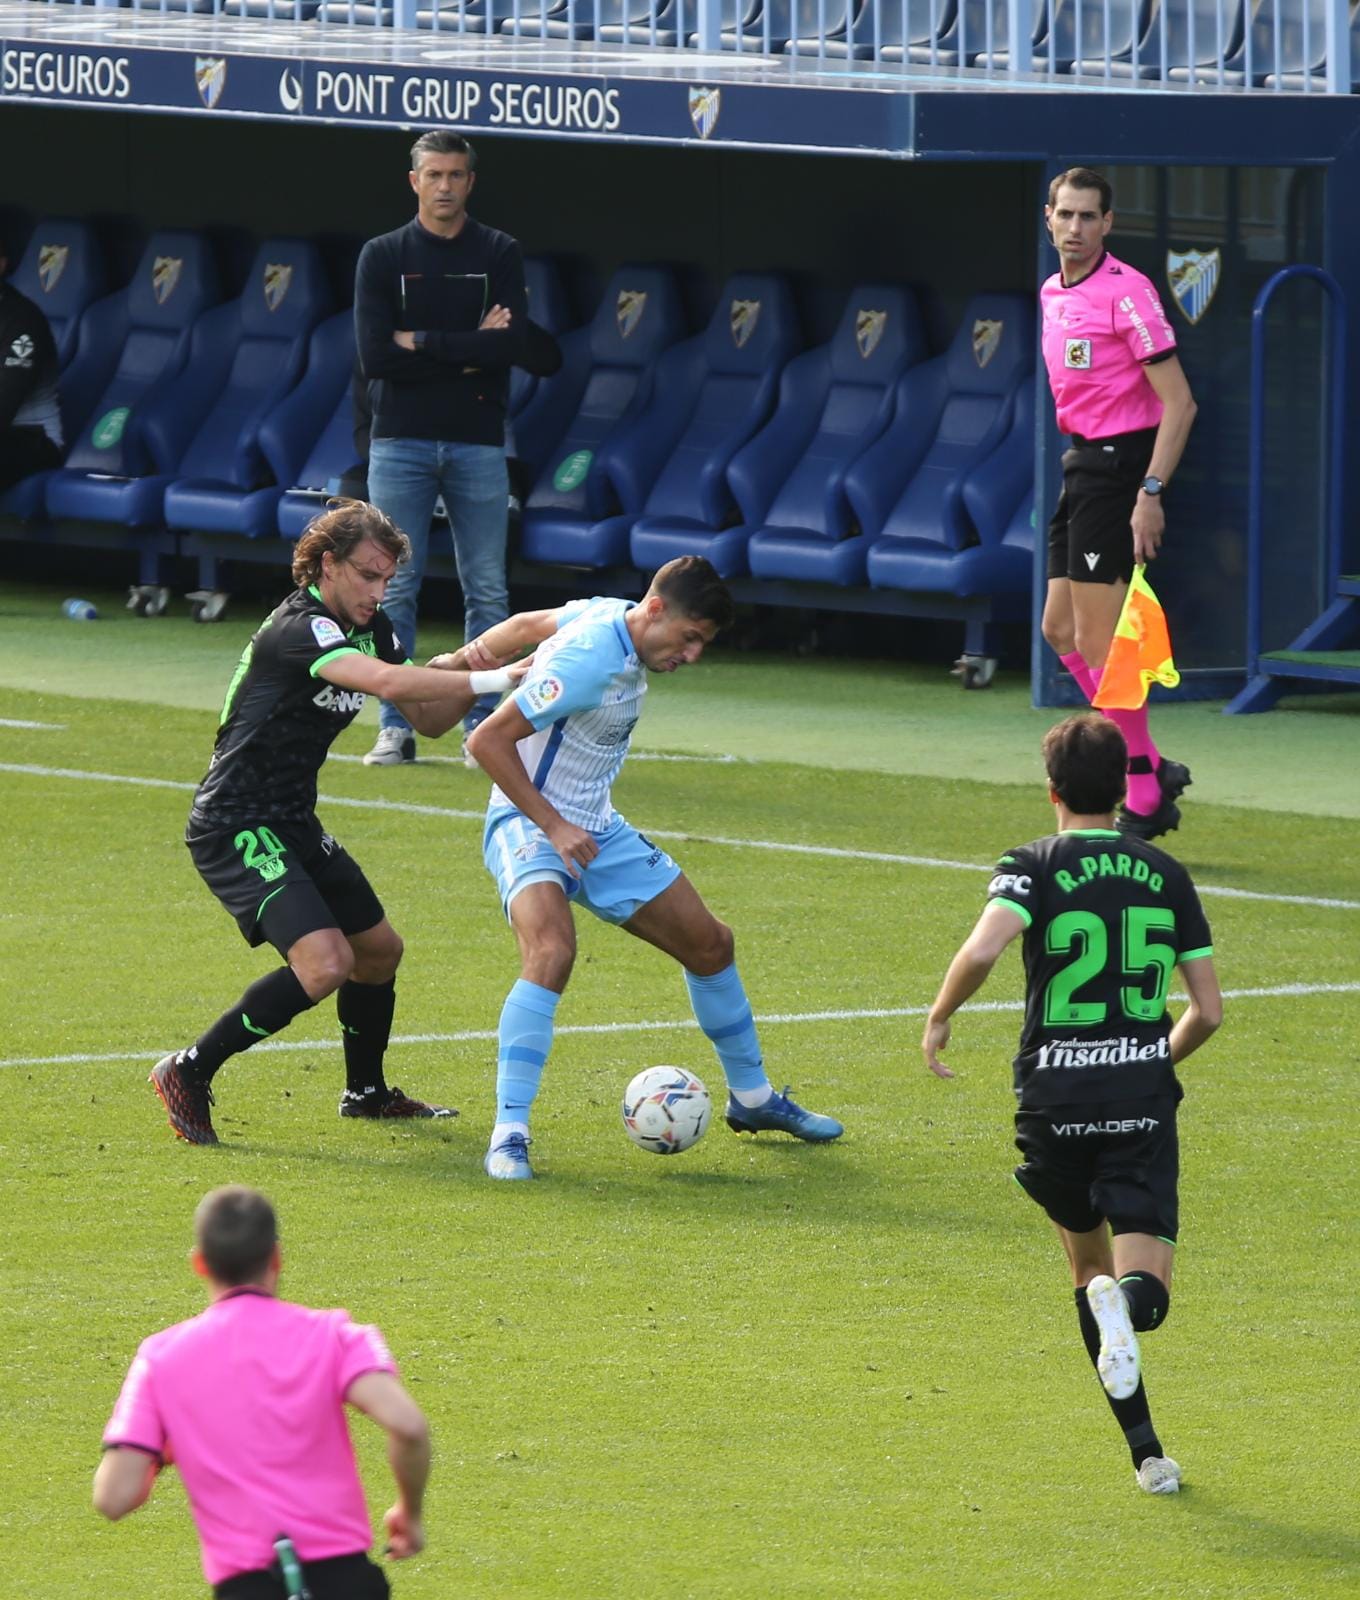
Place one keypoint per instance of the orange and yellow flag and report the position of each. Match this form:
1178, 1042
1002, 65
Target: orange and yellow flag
1139, 652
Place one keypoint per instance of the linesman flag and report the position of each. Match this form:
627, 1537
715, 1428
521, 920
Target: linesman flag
1139, 652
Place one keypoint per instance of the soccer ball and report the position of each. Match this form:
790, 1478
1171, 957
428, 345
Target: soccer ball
666, 1110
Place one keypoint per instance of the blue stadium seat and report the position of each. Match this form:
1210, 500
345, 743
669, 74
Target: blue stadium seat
967, 42
607, 375
998, 503
274, 10
711, 394
109, 462
1297, 55
62, 272
702, 414
1182, 52
951, 414
769, 26
901, 24
834, 401
530, 397
326, 391
555, 19
247, 356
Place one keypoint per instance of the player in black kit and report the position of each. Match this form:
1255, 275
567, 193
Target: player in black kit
253, 832
1105, 917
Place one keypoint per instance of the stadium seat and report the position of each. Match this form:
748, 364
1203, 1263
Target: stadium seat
951, 414
606, 380
530, 397
109, 462
1212, 20
668, 464
1297, 55
998, 503
247, 356
901, 23
834, 401
768, 26
62, 272
555, 19
968, 42
326, 391
712, 394
273, 10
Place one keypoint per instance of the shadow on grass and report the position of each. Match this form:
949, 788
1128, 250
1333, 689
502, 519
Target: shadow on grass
1264, 1539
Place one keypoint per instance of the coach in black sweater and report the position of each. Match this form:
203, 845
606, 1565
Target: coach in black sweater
440, 318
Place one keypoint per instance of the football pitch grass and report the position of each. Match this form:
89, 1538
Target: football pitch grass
759, 1368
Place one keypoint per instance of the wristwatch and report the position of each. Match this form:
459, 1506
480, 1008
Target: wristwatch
1153, 486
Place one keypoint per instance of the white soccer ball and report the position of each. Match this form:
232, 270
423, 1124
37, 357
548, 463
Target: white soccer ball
666, 1110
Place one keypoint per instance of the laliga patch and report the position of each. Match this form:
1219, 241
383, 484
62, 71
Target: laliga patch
539, 695
327, 633
1077, 354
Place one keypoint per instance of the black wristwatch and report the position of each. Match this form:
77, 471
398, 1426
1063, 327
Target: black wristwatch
1152, 486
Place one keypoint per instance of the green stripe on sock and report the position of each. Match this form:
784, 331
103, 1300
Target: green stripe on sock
260, 1033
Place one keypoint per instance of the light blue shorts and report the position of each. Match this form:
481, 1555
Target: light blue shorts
628, 872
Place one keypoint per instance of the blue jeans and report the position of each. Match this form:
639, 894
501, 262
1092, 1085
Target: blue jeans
405, 478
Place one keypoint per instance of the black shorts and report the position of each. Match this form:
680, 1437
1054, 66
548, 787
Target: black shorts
284, 881
1089, 537
337, 1578
1114, 1162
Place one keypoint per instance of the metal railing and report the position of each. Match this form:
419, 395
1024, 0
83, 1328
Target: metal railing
1285, 46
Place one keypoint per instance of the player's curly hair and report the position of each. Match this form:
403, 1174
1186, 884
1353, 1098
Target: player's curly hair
1086, 760
340, 529
236, 1230
691, 586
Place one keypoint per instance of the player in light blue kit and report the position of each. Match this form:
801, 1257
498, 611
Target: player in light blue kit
553, 749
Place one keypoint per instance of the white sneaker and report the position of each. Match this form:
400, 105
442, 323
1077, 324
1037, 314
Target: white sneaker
1159, 1475
392, 747
1119, 1362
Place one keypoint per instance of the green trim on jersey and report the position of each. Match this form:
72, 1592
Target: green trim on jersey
330, 655
242, 667
1023, 912
1195, 955
1091, 833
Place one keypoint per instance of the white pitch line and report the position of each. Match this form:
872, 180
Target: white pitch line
826, 851
634, 755
1282, 991
23, 722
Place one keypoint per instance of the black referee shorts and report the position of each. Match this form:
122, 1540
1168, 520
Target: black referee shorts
1089, 537
337, 1578
283, 881
1114, 1162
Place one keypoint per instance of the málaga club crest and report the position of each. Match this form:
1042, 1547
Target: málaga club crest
1193, 276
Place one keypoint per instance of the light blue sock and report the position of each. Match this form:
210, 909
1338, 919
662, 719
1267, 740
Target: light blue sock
724, 1013
525, 1035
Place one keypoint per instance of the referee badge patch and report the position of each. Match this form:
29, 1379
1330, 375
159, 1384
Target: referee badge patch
327, 633
1077, 354
539, 695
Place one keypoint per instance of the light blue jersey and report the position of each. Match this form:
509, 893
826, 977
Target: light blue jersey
583, 696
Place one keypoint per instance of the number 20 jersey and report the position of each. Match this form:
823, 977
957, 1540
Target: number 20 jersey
1107, 918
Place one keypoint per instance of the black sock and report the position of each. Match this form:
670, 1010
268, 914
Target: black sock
1149, 1300
365, 1012
270, 1003
1132, 1414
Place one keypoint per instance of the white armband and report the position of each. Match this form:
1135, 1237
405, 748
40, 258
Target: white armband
495, 682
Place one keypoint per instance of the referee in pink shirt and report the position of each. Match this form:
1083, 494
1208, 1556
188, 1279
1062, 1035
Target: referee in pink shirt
248, 1400
1122, 396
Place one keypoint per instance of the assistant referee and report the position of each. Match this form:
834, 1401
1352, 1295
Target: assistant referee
1122, 396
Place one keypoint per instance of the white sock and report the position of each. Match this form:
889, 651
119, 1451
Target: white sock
751, 1098
503, 1130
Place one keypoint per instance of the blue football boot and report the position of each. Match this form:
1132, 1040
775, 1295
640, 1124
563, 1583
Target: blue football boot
509, 1158
779, 1114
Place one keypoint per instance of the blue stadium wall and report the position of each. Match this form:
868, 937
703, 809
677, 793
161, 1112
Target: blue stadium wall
942, 191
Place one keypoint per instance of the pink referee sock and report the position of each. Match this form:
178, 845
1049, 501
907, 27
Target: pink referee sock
1086, 677
1145, 793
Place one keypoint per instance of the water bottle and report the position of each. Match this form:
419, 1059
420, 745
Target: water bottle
295, 1585
79, 610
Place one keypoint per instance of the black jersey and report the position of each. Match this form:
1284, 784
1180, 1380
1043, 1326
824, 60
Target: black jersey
280, 719
1107, 918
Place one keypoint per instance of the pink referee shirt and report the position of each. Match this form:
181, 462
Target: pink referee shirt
1097, 336
249, 1398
